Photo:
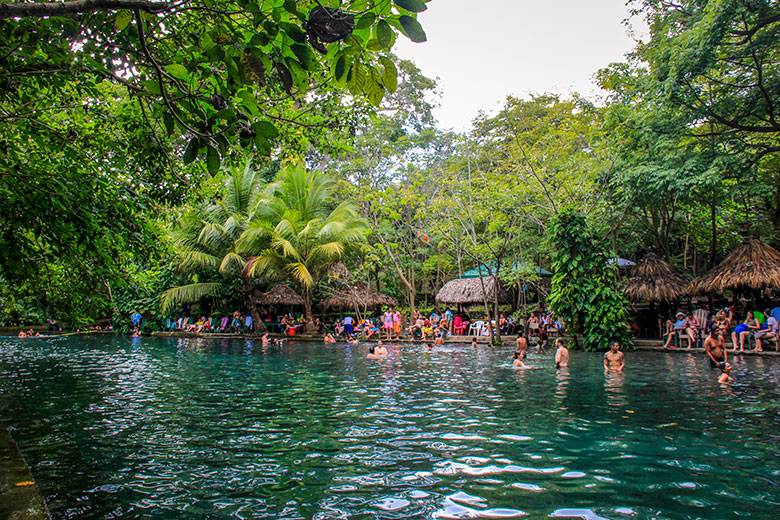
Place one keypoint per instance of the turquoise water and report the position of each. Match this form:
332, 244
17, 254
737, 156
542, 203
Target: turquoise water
115, 427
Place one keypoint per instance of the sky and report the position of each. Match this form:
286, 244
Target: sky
483, 51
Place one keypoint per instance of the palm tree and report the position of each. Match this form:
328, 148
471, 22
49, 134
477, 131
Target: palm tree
206, 239
298, 233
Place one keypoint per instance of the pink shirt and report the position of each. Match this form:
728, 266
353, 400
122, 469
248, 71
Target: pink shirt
397, 317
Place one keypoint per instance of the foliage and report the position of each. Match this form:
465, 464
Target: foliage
295, 232
584, 290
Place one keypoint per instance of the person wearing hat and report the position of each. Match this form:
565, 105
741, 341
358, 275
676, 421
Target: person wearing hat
672, 329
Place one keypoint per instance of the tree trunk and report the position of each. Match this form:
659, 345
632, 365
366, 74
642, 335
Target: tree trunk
307, 310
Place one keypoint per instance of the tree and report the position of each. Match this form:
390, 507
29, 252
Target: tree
297, 232
207, 242
584, 292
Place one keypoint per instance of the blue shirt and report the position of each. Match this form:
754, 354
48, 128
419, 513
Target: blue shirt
135, 318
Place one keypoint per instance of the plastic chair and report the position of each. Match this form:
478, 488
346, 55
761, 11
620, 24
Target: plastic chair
223, 325
457, 326
476, 327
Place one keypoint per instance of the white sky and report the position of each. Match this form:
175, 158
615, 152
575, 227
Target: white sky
483, 51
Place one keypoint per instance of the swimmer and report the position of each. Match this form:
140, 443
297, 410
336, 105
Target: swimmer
439, 342
518, 358
474, 342
372, 353
562, 354
614, 359
352, 341
380, 349
265, 341
725, 377
329, 338
22, 334
430, 346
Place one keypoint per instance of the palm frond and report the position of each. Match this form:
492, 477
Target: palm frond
232, 263
301, 273
188, 294
192, 259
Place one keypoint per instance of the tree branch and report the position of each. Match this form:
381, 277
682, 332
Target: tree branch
41, 9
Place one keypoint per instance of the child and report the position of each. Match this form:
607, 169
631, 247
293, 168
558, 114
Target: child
725, 377
474, 342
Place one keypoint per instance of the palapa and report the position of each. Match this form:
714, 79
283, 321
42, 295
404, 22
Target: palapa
654, 280
469, 290
753, 265
280, 294
358, 294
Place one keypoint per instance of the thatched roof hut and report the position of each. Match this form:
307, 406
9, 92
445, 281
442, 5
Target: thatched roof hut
753, 265
358, 294
280, 294
654, 280
469, 290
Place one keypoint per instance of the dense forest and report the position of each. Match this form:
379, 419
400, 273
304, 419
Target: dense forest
169, 155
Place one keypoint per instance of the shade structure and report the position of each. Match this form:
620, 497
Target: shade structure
358, 294
474, 273
622, 263
469, 290
753, 265
654, 280
280, 294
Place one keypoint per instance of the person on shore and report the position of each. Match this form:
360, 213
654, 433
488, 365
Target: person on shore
725, 377
135, 318
136, 333
561, 354
715, 348
521, 344
692, 326
614, 360
329, 338
397, 324
769, 333
388, 324
348, 322
380, 349
235, 323
672, 329
743, 330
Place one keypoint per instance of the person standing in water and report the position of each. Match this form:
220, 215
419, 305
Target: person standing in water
715, 348
561, 354
380, 349
521, 344
614, 359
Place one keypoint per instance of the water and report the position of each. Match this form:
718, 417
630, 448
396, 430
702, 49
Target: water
117, 427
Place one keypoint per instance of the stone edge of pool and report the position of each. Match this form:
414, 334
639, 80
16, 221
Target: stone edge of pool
20, 498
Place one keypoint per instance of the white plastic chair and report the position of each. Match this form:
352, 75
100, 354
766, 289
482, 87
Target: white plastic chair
476, 328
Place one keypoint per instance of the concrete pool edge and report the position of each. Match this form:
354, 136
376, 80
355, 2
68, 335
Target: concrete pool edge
20, 498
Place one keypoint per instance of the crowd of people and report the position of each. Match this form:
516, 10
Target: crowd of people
693, 327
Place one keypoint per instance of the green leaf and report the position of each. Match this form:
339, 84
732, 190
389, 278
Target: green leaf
191, 153
294, 32
389, 74
385, 34
304, 55
341, 68
123, 19
365, 21
261, 142
415, 6
212, 160
168, 122
178, 71
412, 29
266, 128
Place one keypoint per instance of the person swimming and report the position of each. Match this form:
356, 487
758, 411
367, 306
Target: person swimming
380, 349
372, 353
725, 377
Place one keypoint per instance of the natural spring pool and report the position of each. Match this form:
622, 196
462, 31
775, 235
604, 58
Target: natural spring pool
117, 427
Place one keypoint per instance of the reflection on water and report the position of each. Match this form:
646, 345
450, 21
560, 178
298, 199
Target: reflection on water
145, 427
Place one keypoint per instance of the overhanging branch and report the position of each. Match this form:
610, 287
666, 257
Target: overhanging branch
41, 9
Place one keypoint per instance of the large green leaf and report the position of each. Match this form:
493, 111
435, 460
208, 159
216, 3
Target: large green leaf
412, 29
123, 19
212, 160
385, 34
191, 153
415, 6
178, 71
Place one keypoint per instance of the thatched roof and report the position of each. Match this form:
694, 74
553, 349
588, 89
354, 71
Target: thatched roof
753, 265
360, 294
281, 294
654, 279
469, 290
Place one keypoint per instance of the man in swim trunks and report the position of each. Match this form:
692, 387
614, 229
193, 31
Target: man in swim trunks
614, 359
561, 354
715, 348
